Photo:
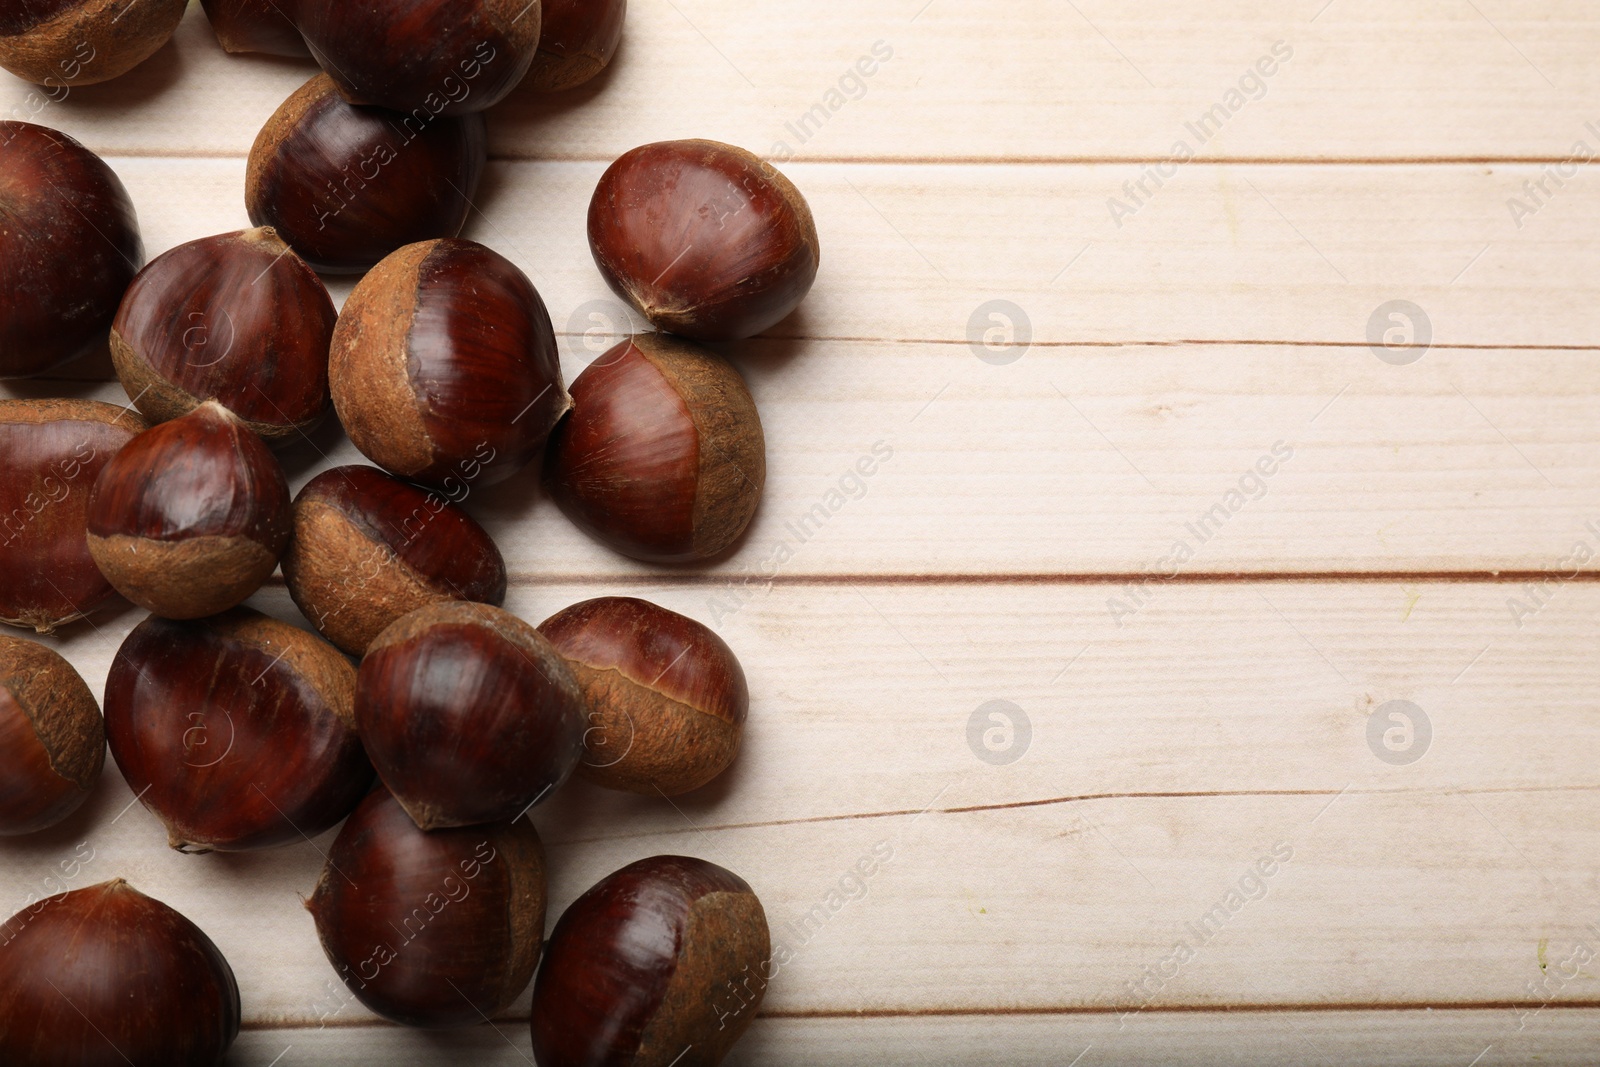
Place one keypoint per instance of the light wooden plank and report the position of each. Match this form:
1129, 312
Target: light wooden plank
1220, 254
1195, 1039
1034, 79
1163, 761
1111, 461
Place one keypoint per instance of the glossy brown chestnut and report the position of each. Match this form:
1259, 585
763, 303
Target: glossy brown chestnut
69, 247
664, 962
666, 699
191, 516
53, 450
423, 57
444, 366
662, 457
705, 239
67, 43
107, 977
577, 40
239, 319
345, 186
433, 929
265, 26
237, 731
468, 714
52, 739
369, 548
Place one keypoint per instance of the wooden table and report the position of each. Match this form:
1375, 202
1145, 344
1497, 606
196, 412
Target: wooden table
1221, 685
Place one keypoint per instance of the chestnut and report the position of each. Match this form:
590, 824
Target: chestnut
662, 457
52, 739
345, 186
663, 962
239, 319
107, 977
577, 40
424, 57
436, 929
444, 366
666, 698
238, 731
69, 248
705, 239
265, 26
53, 451
368, 548
83, 42
191, 516
468, 714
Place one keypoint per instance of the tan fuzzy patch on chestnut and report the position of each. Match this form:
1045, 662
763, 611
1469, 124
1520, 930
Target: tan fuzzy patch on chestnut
156, 398
186, 579
350, 586
327, 670
279, 128
642, 741
733, 449
102, 39
551, 73
38, 412
369, 368
725, 940
59, 705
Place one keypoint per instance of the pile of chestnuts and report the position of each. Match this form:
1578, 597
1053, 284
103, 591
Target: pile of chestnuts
413, 709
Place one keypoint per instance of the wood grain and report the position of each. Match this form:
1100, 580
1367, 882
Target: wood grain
924, 461
1072, 349
1164, 761
1222, 254
1402, 1038
1035, 79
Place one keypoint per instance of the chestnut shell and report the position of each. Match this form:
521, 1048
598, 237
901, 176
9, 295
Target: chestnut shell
666, 697
191, 516
444, 366
468, 713
69, 246
438, 929
53, 450
105, 976
52, 738
706, 240
237, 318
264, 26
438, 57
662, 456
345, 185
368, 548
67, 43
238, 731
576, 42
661, 963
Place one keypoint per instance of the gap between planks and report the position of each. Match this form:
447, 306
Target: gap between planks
1052, 578
1023, 1010
956, 160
